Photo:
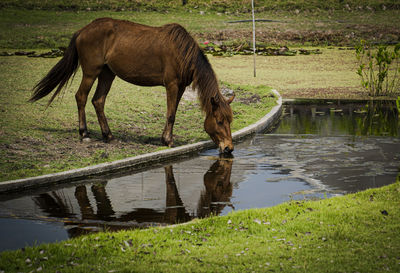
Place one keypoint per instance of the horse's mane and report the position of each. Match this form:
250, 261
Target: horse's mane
194, 66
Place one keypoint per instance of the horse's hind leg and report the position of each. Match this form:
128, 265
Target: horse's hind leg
105, 80
81, 98
174, 95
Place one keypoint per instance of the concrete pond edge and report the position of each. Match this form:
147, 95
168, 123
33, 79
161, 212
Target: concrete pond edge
140, 161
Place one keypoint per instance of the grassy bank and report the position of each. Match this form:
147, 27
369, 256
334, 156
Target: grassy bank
36, 141
352, 233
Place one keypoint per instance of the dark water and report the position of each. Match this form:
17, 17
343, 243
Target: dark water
317, 151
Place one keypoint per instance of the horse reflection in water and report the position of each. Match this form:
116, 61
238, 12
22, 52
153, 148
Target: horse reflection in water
218, 192
214, 198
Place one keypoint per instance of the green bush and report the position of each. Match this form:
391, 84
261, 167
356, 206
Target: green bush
379, 68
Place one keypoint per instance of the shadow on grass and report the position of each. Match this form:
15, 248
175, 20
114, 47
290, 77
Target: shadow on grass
124, 137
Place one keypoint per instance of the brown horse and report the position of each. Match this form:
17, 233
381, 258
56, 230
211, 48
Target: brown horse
141, 55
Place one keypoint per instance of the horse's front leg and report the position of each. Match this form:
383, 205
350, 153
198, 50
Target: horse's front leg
174, 94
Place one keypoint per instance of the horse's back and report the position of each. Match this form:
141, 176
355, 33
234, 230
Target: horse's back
132, 51
137, 53
104, 32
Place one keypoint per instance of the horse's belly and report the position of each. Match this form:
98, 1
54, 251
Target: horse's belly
145, 75
145, 80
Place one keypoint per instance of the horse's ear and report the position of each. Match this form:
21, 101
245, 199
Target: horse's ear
230, 99
214, 104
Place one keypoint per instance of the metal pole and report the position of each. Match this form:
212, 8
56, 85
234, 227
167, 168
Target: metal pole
254, 37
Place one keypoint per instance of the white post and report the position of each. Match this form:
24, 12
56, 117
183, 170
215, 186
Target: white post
254, 37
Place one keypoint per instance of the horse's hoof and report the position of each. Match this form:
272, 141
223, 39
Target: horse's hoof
109, 139
167, 143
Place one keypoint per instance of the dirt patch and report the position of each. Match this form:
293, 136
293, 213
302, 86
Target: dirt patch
59, 153
191, 95
351, 34
250, 99
328, 92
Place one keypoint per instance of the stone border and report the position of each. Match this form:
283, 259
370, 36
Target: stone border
141, 160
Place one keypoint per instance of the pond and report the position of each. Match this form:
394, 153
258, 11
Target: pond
320, 149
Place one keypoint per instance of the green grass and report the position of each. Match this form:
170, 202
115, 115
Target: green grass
36, 141
47, 29
21, 28
353, 233
331, 74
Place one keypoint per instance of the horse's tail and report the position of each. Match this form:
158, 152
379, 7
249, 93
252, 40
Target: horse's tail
59, 75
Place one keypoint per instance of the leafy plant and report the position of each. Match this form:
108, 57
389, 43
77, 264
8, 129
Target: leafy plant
379, 68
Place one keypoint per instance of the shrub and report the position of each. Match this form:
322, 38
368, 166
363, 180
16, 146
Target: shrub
379, 68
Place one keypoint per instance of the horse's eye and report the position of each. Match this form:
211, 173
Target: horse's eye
220, 123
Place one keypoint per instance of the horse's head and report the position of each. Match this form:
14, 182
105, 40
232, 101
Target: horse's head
218, 124
217, 180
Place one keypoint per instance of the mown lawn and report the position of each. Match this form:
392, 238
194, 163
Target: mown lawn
353, 233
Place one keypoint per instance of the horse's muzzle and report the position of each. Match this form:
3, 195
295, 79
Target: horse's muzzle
227, 151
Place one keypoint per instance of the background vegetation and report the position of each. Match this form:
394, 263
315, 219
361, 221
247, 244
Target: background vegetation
212, 5
379, 68
47, 24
